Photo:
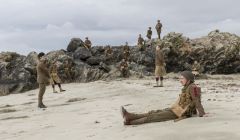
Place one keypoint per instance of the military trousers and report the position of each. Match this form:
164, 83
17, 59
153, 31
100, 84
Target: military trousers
42, 89
160, 116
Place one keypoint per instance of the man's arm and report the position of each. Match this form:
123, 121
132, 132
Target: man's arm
196, 97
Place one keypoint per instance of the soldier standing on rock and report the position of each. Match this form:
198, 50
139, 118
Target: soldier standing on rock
149, 33
124, 68
140, 43
55, 78
160, 66
87, 43
158, 28
189, 101
42, 78
126, 51
108, 53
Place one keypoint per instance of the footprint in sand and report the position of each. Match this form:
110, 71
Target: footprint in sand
6, 106
11, 118
7, 111
76, 99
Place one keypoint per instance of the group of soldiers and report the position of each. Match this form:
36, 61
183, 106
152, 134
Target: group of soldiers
141, 41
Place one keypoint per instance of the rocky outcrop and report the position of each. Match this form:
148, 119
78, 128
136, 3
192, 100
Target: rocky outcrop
217, 53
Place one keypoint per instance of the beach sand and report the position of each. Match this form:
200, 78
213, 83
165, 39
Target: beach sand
91, 111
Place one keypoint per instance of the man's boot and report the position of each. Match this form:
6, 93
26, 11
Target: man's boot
62, 90
54, 91
161, 85
40, 103
131, 116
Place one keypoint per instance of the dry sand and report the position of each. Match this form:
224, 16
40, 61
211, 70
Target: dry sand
90, 111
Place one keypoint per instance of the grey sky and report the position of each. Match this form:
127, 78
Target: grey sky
45, 25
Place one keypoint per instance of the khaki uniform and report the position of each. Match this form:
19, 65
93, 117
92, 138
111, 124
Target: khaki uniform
126, 52
190, 99
43, 79
140, 43
88, 43
159, 63
196, 68
158, 27
124, 68
149, 34
108, 52
54, 75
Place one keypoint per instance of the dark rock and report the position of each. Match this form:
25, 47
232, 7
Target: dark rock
82, 53
74, 44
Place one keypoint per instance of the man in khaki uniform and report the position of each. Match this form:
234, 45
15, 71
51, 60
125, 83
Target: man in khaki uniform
87, 43
149, 33
196, 68
158, 27
159, 66
108, 53
55, 78
124, 68
189, 101
140, 43
42, 78
126, 51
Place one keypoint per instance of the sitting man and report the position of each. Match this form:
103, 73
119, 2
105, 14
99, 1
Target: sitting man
189, 101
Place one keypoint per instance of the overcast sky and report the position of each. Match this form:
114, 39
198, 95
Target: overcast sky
45, 25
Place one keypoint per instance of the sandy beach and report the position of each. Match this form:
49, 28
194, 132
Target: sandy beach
91, 111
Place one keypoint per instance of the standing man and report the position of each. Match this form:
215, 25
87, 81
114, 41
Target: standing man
140, 43
124, 68
126, 51
42, 78
149, 33
87, 43
55, 78
158, 28
160, 66
196, 67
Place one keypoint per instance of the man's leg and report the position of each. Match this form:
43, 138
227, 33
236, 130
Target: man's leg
42, 89
53, 86
160, 116
60, 87
157, 81
161, 79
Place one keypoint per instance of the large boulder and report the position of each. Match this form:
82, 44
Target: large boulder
14, 78
94, 60
74, 44
82, 54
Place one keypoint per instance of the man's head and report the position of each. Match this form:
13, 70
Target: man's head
149, 28
40, 55
157, 47
86, 38
140, 35
186, 77
158, 21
